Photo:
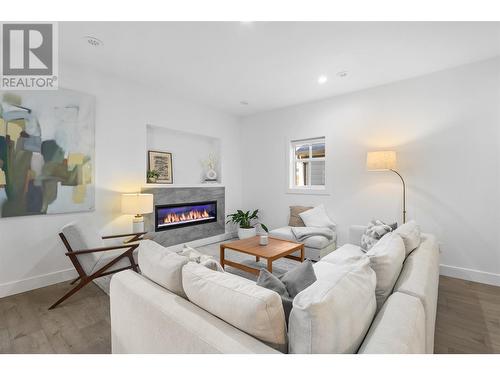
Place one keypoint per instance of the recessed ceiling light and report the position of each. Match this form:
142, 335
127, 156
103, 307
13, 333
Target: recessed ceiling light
322, 79
342, 73
243, 102
93, 41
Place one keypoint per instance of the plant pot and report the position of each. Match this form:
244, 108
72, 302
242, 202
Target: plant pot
246, 233
152, 180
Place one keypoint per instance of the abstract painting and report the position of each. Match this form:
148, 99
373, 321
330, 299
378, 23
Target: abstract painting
46, 152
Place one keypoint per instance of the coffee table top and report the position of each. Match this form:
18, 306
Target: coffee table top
274, 249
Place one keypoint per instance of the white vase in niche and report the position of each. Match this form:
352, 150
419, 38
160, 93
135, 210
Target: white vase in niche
211, 175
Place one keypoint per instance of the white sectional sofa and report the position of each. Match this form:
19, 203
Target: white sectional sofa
147, 318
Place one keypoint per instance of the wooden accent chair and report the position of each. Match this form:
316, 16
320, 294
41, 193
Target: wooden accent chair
92, 259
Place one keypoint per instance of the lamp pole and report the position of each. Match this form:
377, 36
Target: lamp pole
404, 194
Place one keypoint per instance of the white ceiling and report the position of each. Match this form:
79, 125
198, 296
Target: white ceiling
274, 64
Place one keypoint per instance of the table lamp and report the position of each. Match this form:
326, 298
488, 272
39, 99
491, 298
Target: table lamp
385, 161
137, 204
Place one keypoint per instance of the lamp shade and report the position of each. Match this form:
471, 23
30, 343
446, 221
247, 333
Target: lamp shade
137, 204
380, 160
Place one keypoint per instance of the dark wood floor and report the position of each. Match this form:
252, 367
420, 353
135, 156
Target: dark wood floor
468, 320
468, 317
80, 325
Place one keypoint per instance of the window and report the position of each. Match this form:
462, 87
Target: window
307, 163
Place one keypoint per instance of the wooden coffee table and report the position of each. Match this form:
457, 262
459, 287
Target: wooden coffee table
274, 250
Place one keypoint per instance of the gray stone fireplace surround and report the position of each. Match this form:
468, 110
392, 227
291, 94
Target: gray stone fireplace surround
174, 195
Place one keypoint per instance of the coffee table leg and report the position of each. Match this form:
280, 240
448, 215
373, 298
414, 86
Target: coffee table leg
222, 248
270, 265
302, 254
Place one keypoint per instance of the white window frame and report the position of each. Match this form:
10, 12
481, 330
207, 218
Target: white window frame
291, 165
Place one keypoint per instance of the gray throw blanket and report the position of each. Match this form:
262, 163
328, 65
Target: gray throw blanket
303, 233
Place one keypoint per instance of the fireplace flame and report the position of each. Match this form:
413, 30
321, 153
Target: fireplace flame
188, 216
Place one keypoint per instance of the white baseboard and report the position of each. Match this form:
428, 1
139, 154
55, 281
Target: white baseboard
35, 282
470, 274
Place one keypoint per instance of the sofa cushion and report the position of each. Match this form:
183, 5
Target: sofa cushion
399, 328
344, 254
240, 302
162, 266
314, 242
333, 314
420, 278
386, 259
295, 220
410, 233
317, 217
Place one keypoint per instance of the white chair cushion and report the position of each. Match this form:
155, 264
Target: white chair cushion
333, 314
314, 242
386, 259
410, 233
83, 236
317, 217
162, 266
238, 301
399, 328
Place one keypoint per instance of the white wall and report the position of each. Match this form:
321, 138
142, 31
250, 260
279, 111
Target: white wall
31, 255
445, 128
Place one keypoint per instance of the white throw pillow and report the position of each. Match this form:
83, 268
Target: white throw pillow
240, 302
410, 233
386, 259
333, 315
317, 217
162, 266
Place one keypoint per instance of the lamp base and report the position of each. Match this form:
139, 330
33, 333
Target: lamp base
138, 224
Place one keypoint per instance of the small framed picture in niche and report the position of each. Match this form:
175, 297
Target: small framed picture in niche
160, 168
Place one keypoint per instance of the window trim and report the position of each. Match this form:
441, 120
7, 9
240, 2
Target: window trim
291, 159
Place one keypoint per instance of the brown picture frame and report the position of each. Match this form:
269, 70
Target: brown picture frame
162, 162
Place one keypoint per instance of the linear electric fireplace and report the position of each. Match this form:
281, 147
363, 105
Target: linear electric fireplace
184, 214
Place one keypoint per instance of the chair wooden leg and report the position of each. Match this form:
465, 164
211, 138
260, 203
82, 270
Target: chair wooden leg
71, 292
75, 280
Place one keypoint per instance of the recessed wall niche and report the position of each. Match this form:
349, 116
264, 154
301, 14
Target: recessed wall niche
189, 150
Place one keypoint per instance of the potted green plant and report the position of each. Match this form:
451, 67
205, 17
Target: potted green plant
153, 176
247, 223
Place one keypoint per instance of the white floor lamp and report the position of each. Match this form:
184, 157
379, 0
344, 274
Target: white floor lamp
386, 161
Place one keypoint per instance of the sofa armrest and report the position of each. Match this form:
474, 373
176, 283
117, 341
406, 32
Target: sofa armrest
355, 233
146, 318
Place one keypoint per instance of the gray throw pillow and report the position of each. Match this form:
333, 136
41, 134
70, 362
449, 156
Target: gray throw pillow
289, 284
269, 281
299, 278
